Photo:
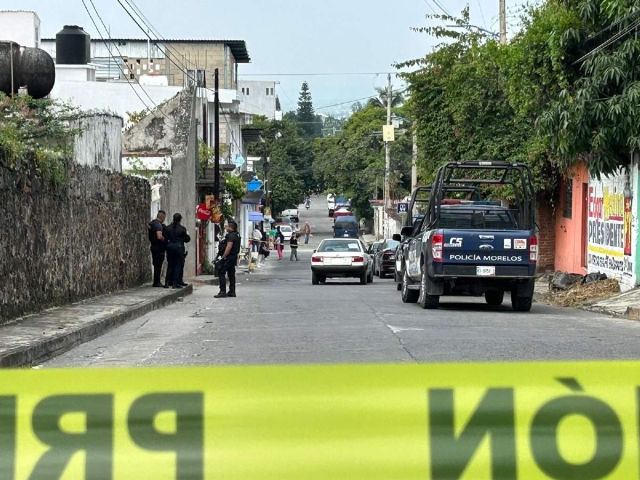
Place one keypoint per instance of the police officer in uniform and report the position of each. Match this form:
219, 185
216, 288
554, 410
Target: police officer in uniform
228, 261
158, 246
176, 236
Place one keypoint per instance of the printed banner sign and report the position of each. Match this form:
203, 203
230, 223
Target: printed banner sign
610, 232
471, 421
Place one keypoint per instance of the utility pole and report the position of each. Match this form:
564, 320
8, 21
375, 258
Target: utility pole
216, 135
503, 22
387, 163
414, 163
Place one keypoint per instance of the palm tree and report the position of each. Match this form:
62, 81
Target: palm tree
381, 100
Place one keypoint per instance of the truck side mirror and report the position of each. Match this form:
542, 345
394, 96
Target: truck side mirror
406, 231
397, 237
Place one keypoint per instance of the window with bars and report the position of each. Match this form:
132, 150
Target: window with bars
568, 198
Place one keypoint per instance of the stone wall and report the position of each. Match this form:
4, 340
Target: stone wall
63, 242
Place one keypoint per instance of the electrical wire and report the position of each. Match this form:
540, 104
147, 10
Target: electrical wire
608, 42
155, 31
113, 57
432, 9
356, 100
120, 64
318, 74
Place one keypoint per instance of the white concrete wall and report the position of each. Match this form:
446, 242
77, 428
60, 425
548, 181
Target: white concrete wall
612, 227
21, 27
100, 142
385, 226
257, 102
75, 73
115, 97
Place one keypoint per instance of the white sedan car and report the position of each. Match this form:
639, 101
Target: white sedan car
341, 258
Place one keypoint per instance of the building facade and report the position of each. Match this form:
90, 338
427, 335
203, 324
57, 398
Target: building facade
183, 62
258, 98
21, 27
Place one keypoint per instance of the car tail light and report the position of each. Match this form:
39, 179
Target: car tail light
357, 259
437, 241
533, 249
317, 259
388, 254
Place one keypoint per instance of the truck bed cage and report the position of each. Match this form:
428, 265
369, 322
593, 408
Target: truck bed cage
522, 186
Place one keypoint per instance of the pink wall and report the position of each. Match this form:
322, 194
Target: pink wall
570, 232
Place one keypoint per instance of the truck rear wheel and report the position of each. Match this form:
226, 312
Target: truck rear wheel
494, 297
408, 296
426, 301
520, 303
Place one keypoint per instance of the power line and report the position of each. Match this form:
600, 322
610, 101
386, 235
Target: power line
432, 9
120, 66
356, 100
155, 31
113, 57
608, 42
317, 74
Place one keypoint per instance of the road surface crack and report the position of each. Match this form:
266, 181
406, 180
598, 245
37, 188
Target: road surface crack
393, 331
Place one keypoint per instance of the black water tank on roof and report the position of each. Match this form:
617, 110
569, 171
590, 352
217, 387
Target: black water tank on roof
73, 46
37, 72
6, 59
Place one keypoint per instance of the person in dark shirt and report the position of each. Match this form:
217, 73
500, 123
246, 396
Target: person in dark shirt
293, 243
228, 261
158, 246
176, 236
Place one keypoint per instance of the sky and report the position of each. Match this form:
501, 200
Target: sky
290, 38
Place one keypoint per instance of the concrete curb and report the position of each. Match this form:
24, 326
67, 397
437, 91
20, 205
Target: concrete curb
51, 347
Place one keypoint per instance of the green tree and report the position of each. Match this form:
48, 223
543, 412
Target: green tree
596, 116
306, 116
381, 100
352, 162
278, 107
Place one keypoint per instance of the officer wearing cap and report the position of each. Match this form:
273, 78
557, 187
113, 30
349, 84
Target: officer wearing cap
228, 261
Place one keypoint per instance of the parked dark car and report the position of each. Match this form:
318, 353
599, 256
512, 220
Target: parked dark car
374, 248
385, 259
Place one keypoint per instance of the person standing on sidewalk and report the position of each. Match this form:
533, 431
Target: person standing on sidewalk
176, 236
228, 261
279, 242
158, 246
257, 238
307, 232
293, 243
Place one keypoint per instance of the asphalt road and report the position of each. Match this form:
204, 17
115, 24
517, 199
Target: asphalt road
279, 317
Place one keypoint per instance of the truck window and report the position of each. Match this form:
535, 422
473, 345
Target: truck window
477, 220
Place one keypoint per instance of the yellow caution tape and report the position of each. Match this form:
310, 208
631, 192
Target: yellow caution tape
475, 421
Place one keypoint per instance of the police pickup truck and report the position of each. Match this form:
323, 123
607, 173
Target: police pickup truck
474, 247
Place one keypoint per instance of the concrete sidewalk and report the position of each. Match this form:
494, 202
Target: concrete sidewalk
36, 338
620, 305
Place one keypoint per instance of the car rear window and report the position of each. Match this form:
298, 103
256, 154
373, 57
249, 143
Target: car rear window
392, 244
346, 225
340, 246
285, 228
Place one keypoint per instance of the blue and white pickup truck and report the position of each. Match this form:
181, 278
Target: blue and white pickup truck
474, 247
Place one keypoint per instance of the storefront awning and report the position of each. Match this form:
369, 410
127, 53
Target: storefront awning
253, 198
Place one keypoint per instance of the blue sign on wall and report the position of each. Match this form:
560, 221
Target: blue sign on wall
254, 185
403, 207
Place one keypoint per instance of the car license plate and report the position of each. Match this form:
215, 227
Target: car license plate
486, 271
338, 261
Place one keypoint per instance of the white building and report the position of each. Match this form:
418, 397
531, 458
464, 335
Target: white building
20, 27
258, 98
